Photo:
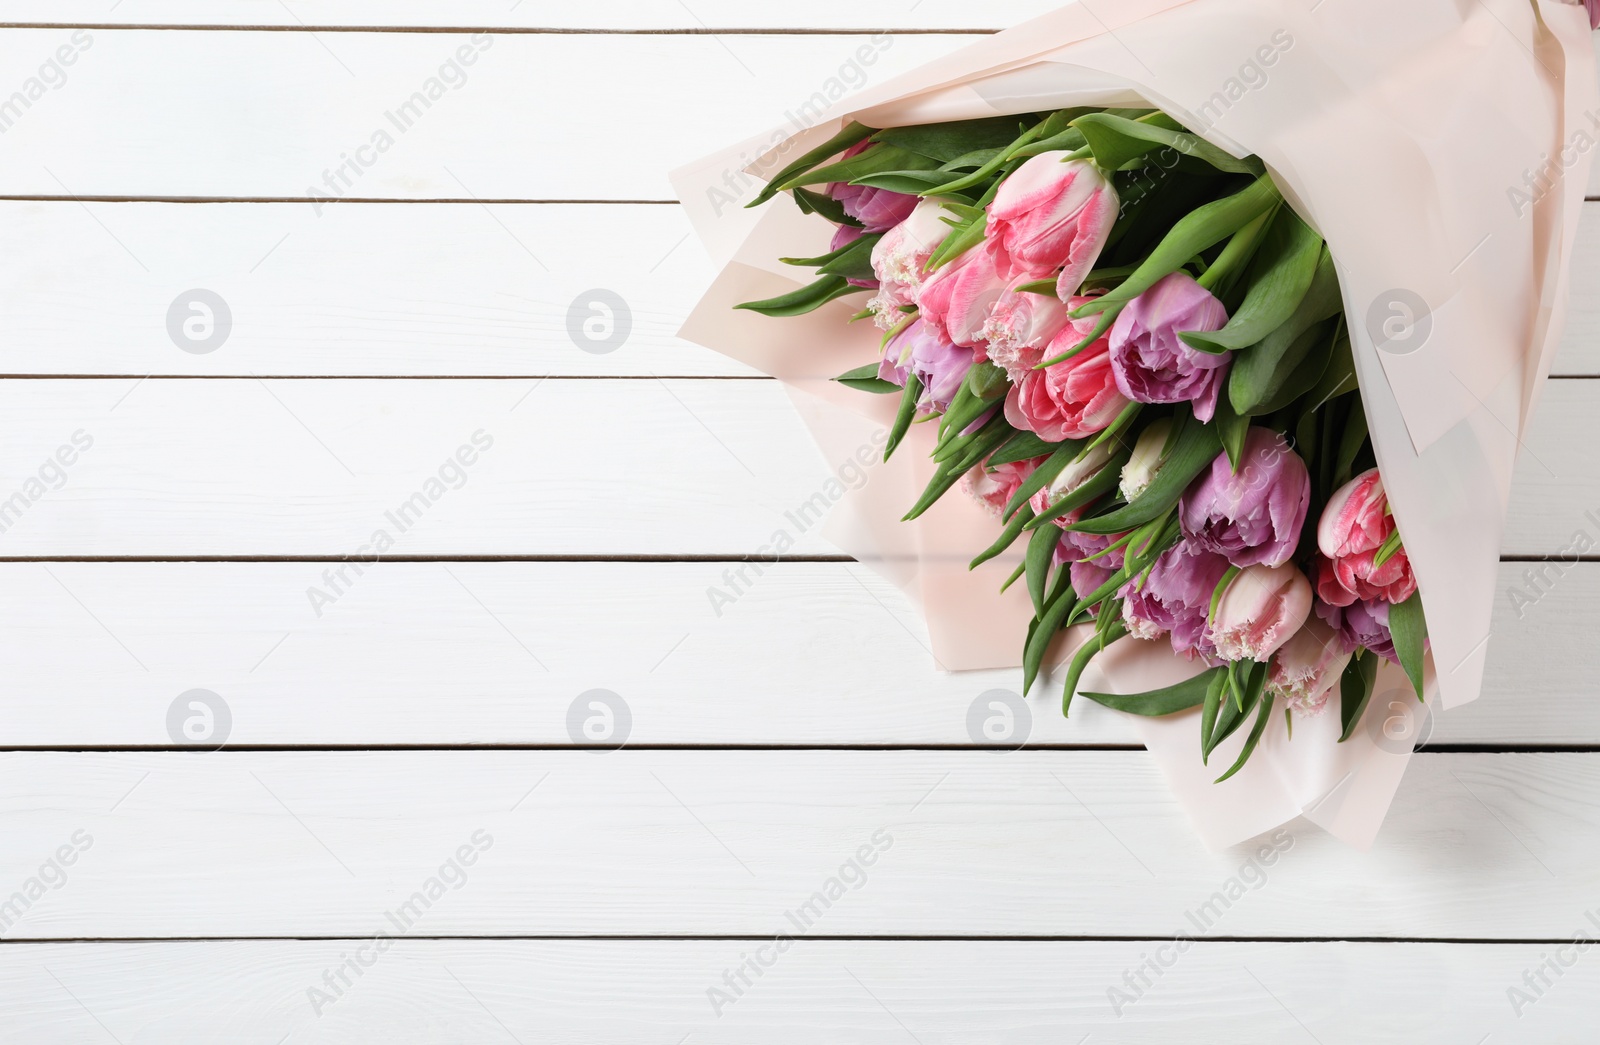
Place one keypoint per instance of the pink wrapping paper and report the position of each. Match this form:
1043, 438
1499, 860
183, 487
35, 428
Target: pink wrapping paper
1402, 132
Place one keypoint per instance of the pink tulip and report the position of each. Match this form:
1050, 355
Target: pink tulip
1353, 527
1019, 325
1051, 215
1152, 364
994, 487
957, 299
1593, 7
1261, 609
901, 256
1308, 666
1072, 399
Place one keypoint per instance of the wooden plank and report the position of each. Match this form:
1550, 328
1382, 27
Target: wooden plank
302, 115
851, 992
626, 15
418, 289
1082, 843
313, 467
498, 653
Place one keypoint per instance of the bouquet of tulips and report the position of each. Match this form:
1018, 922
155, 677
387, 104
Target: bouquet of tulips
1136, 357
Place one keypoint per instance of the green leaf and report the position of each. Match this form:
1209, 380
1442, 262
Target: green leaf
1041, 553
852, 134
866, 379
1208, 714
1278, 278
962, 237
1007, 537
1355, 690
817, 203
1340, 376
1262, 715
1351, 441
1257, 390
1042, 476
1193, 452
1097, 485
905, 415
1050, 125
949, 141
911, 183
1022, 446
1043, 633
1223, 273
854, 260
952, 471
1194, 233
1232, 427
806, 299
877, 160
1410, 631
1116, 141
1166, 701
1234, 712
1259, 371
1080, 661
1387, 549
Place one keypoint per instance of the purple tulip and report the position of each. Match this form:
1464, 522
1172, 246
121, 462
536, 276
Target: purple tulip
1252, 516
1175, 598
1089, 574
919, 350
1364, 622
878, 209
1594, 13
843, 236
1151, 364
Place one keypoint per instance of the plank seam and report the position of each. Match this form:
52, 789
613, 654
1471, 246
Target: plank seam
1462, 941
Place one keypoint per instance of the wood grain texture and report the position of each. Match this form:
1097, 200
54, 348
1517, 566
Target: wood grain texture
498, 652
276, 114
413, 289
726, 842
854, 993
671, 467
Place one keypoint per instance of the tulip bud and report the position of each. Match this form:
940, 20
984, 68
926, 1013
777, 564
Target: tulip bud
1152, 364
901, 256
1149, 454
876, 209
1261, 609
1307, 667
1174, 597
1051, 215
1253, 515
957, 299
1352, 530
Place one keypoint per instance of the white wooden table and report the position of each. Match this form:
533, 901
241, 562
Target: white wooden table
519, 781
